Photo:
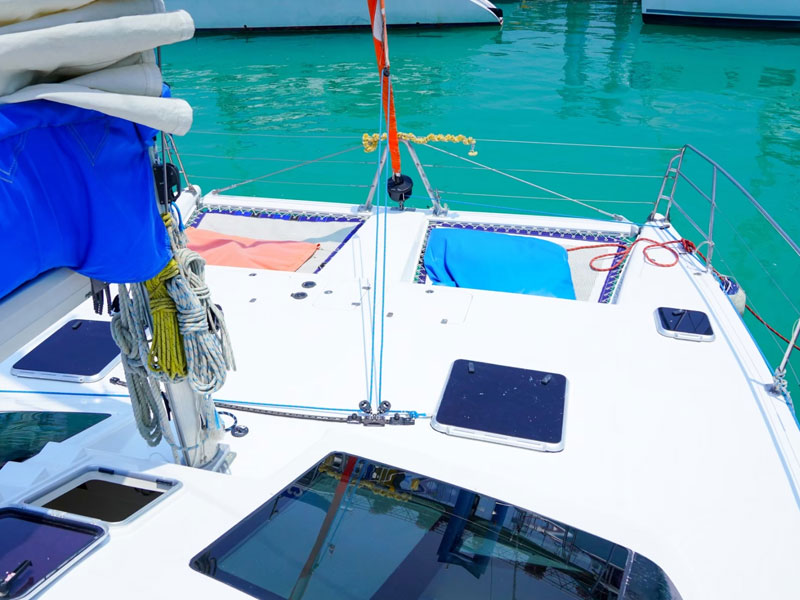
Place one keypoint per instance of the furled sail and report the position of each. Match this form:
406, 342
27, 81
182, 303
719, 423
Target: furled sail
93, 55
81, 99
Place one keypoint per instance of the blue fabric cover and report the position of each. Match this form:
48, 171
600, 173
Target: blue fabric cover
76, 190
498, 262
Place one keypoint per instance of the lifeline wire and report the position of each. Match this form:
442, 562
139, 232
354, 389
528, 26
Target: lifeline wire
515, 178
303, 164
487, 140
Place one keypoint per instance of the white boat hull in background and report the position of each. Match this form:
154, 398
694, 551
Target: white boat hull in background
280, 14
780, 14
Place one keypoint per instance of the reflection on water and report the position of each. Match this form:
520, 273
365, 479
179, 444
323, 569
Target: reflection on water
565, 71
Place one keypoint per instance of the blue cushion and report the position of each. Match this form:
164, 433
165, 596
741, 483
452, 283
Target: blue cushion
498, 262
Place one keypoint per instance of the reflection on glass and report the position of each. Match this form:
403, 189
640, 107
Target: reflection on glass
24, 434
352, 528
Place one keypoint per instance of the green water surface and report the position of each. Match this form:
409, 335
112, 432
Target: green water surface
571, 72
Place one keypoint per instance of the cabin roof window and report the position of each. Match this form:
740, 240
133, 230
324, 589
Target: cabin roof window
24, 434
36, 547
354, 528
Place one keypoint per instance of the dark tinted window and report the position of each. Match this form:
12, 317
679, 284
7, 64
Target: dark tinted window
105, 500
34, 546
682, 320
351, 528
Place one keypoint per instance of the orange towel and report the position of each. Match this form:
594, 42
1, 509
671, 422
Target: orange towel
234, 251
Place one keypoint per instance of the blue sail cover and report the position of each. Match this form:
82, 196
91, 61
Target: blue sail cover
499, 262
76, 190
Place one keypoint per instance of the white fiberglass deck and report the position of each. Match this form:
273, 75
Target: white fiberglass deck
673, 448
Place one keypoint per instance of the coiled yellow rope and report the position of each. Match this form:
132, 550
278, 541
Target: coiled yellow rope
371, 141
167, 354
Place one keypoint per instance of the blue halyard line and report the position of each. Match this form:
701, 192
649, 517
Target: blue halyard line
375, 270
383, 272
242, 402
48, 393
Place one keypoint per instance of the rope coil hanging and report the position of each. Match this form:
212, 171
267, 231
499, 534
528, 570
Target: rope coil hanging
188, 341
370, 141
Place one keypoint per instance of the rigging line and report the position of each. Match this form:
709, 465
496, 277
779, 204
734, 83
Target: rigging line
751, 309
287, 160
551, 172
284, 170
486, 195
577, 144
283, 182
516, 210
434, 166
275, 135
383, 273
760, 264
375, 266
515, 178
753, 254
486, 140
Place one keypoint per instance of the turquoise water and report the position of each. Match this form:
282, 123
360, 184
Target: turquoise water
557, 72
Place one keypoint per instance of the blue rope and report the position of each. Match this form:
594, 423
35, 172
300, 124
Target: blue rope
177, 213
412, 413
375, 270
383, 272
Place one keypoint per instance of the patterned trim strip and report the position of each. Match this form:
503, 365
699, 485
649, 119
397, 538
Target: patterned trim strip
612, 279
284, 215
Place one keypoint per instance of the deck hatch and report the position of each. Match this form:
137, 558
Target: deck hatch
684, 324
351, 527
105, 494
505, 405
80, 351
36, 547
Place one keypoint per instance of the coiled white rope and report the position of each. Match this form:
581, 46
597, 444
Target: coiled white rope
202, 325
203, 336
128, 330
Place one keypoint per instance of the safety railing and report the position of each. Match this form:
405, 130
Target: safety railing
676, 172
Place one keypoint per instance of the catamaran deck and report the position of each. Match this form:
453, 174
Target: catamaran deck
673, 448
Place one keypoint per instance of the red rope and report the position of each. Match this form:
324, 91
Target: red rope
620, 256
686, 245
768, 326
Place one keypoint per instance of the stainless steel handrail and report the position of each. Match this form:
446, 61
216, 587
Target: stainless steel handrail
674, 173
669, 184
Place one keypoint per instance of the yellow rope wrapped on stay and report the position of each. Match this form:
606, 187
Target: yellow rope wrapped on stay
370, 141
167, 353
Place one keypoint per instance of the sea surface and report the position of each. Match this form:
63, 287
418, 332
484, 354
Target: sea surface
578, 97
